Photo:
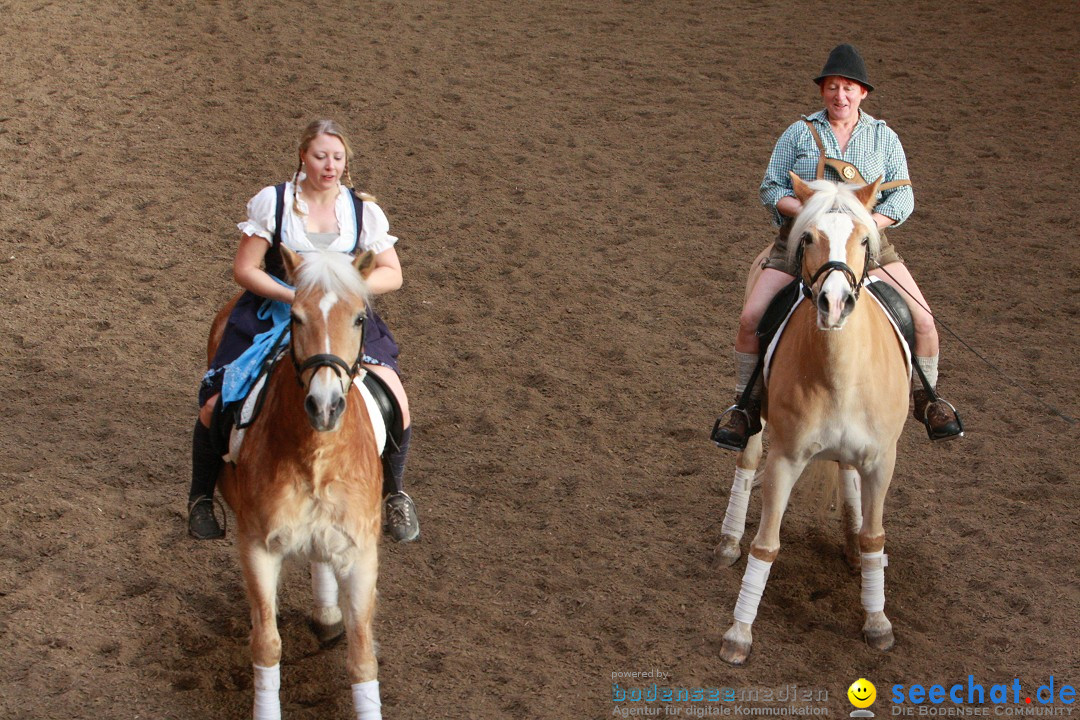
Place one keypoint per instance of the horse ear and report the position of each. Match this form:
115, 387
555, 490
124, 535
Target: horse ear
802, 190
867, 194
291, 261
364, 263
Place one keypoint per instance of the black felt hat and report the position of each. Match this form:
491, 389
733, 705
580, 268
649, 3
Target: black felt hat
845, 61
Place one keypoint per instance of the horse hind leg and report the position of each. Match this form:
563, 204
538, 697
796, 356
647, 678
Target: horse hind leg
261, 570
850, 487
326, 619
358, 583
727, 552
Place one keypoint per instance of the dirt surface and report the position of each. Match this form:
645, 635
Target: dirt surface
575, 189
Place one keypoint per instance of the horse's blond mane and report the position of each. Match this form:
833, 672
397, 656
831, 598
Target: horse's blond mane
331, 272
832, 197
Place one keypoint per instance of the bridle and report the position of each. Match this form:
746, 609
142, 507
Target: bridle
329, 360
831, 266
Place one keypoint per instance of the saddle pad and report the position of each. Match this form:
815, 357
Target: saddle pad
780, 331
251, 404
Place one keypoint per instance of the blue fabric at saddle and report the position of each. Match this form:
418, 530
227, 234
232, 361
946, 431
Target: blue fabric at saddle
242, 372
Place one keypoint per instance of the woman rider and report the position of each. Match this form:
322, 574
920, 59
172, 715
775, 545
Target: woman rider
319, 212
867, 147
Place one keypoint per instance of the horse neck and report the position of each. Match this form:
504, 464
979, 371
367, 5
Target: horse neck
283, 414
833, 358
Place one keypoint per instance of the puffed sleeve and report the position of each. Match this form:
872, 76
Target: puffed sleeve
375, 234
260, 215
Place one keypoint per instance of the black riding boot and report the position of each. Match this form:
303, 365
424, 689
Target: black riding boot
205, 465
402, 524
940, 418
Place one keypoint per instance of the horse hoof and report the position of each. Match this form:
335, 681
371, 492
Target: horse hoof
727, 552
327, 635
735, 652
882, 641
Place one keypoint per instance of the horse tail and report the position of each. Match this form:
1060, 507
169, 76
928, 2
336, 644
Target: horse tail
821, 480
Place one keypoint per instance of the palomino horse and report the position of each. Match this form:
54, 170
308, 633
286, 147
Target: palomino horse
308, 480
837, 391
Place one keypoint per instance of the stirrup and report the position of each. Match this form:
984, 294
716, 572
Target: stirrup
718, 438
929, 430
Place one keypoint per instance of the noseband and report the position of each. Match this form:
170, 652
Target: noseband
329, 360
831, 266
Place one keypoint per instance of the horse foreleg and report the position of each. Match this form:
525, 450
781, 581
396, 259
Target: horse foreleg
853, 518
261, 569
326, 620
877, 630
728, 551
358, 584
780, 477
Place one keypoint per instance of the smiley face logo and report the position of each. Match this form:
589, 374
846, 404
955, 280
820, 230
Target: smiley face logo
862, 693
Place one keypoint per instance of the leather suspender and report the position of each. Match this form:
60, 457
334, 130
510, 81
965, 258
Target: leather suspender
846, 170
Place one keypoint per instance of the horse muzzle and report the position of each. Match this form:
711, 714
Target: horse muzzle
325, 403
834, 303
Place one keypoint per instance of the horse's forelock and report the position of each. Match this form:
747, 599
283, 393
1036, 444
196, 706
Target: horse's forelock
331, 272
832, 197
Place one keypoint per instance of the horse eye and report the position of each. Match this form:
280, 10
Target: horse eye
295, 319
359, 321
865, 241
807, 239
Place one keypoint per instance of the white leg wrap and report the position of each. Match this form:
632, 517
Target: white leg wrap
753, 585
735, 517
324, 585
267, 684
873, 581
851, 487
365, 697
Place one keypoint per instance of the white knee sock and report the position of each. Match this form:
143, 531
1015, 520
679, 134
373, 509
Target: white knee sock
929, 368
744, 368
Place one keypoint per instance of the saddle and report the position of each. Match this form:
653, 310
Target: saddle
229, 423
783, 305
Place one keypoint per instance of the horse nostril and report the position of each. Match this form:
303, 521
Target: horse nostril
849, 304
339, 406
311, 406
823, 303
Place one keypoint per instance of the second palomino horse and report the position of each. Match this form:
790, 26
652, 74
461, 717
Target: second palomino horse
837, 391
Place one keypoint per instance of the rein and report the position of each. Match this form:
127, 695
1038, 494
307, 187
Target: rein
329, 360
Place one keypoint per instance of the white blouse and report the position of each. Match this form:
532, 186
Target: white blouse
374, 233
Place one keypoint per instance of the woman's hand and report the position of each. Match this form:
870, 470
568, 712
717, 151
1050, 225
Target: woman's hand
248, 273
789, 206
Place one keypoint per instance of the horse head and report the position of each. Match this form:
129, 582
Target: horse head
327, 327
836, 240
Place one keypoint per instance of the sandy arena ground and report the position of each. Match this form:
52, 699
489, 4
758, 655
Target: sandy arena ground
575, 189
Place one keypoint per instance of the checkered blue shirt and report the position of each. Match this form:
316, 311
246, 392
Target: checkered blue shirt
873, 148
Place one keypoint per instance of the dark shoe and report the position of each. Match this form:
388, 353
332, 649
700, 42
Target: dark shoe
741, 424
202, 525
401, 524
939, 417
